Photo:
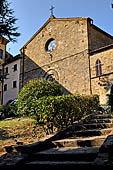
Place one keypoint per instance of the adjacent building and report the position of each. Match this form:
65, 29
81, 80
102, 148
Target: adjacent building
11, 83
3, 43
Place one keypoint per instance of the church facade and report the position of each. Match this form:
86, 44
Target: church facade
72, 51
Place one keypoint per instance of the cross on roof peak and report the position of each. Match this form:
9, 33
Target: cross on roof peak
51, 9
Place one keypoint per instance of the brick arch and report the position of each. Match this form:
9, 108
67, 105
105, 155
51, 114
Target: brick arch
51, 74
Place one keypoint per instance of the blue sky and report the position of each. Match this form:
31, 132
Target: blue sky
33, 14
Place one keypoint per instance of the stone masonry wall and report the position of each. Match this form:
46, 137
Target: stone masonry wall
102, 85
70, 36
68, 63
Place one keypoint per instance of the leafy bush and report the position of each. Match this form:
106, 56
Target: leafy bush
2, 112
8, 110
42, 101
34, 90
62, 111
110, 101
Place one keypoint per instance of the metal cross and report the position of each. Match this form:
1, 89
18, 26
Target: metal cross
112, 4
51, 9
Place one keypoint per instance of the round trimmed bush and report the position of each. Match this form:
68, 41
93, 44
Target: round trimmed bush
34, 90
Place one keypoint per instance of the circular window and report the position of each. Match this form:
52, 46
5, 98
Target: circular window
50, 45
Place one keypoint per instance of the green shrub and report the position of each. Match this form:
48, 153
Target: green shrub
42, 101
110, 101
2, 112
62, 111
8, 110
34, 90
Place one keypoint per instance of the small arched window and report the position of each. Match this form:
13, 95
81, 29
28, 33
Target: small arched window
98, 68
50, 45
1, 53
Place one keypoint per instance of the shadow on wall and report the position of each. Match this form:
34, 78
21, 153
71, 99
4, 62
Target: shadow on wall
32, 71
106, 82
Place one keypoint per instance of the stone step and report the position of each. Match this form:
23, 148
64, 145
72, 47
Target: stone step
98, 125
56, 164
92, 132
100, 116
81, 142
105, 120
65, 154
91, 126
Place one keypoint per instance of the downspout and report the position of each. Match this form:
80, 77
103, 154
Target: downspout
90, 74
2, 81
89, 21
23, 57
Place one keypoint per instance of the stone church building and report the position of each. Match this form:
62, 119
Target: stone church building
72, 51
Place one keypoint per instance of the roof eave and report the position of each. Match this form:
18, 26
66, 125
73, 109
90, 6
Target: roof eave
51, 18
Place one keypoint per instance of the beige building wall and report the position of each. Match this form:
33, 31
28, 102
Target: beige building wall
3, 43
79, 44
102, 85
68, 63
12, 92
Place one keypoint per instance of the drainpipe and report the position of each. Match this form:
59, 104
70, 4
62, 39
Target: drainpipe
90, 75
89, 22
23, 57
2, 81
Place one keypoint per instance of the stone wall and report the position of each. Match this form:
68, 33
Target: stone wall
70, 36
72, 72
102, 85
68, 64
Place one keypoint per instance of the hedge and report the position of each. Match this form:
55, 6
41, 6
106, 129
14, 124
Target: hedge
62, 111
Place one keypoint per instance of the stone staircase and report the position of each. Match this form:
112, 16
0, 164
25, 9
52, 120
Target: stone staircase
76, 147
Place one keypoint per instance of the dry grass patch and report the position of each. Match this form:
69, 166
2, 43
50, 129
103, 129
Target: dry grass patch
20, 129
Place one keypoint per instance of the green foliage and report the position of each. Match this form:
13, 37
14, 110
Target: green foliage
42, 100
2, 112
110, 101
62, 111
7, 21
8, 110
32, 91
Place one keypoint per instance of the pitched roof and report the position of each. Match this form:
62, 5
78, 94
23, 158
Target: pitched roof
11, 58
104, 48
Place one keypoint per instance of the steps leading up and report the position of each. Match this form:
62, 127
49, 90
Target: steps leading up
97, 125
80, 142
78, 147
56, 165
68, 156
93, 132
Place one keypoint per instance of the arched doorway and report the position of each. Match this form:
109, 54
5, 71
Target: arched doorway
52, 75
